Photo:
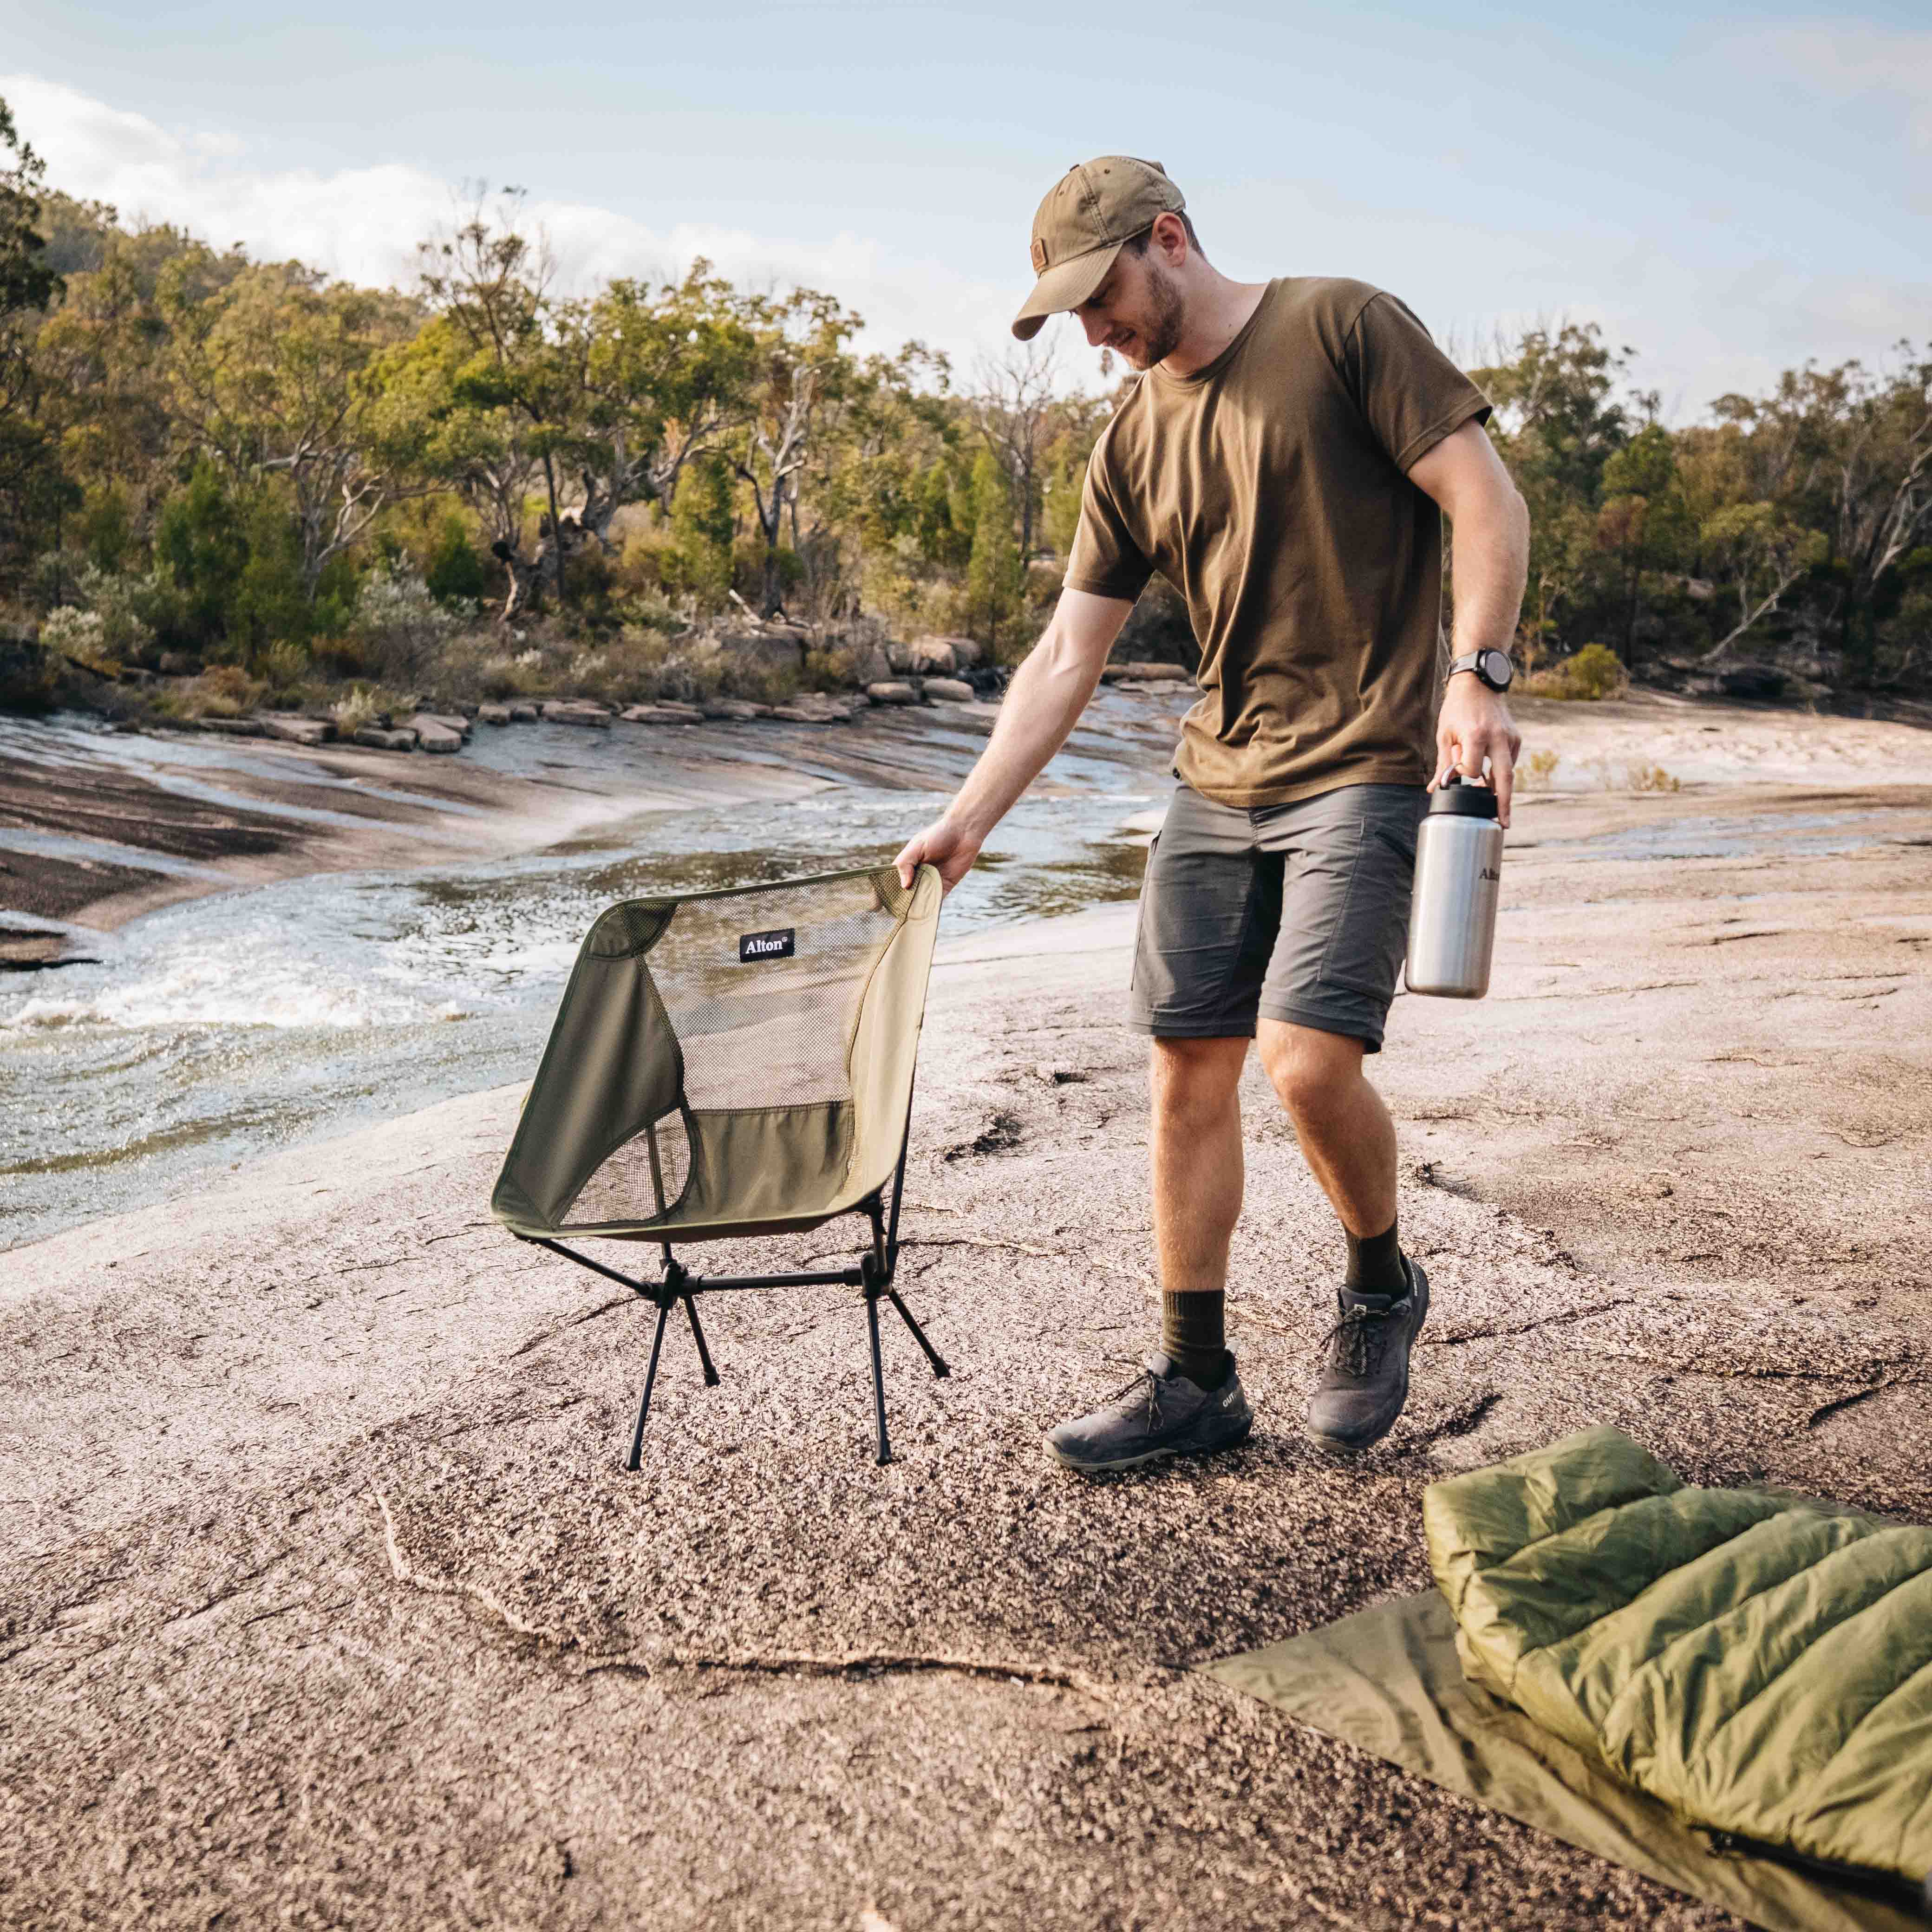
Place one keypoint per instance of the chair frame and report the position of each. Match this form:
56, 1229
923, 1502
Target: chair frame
874, 1275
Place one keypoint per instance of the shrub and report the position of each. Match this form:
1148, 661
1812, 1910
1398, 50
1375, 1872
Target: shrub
79, 636
364, 705
830, 669
1594, 672
403, 628
1538, 769
125, 605
1653, 778
283, 665
223, 691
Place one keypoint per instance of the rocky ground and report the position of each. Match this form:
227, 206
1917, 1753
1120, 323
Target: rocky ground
329, 1602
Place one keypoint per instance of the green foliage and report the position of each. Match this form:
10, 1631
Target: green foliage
454, 569
201, 550
995, 578
1594, 672
704, 529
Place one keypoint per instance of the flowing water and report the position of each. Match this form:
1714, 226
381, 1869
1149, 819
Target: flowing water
218, 1028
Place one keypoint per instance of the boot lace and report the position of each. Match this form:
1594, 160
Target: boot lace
1145, 1387
1357, 1343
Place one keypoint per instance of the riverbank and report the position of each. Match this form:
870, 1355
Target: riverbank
323, 1452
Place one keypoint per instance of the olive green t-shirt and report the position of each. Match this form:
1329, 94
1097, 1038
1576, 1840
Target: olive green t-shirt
1271, 490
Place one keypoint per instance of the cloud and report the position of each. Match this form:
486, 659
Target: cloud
1702, 326
364, 224
1849, 62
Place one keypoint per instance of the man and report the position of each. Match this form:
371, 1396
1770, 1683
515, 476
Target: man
1284, 461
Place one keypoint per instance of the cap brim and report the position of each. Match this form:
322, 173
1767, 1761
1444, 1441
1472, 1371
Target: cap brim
1064, 286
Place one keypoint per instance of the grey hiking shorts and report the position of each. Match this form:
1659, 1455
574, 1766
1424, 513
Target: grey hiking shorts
1295, 912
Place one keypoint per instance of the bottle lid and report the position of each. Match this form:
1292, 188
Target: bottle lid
1467, 797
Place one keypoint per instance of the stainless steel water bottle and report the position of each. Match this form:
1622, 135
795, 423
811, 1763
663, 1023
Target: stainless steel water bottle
1459, 870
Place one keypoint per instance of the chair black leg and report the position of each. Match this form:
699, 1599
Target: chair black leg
697, 1335
650, 1378
932, 1354
878, 1380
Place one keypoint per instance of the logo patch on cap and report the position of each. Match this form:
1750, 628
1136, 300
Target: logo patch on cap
1039, 256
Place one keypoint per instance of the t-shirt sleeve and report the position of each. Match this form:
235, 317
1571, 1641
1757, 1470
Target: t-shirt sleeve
1105, 559
1412, 394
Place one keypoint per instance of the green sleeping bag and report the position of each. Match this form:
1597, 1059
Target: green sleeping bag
1761, 1664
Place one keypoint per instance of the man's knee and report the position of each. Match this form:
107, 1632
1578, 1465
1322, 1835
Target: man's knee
1195, 1078
1310, 1070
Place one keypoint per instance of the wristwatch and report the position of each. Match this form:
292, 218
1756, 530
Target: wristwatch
1492, 667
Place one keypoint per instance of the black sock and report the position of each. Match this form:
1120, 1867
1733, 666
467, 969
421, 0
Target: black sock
1193, 1337
1374, 1265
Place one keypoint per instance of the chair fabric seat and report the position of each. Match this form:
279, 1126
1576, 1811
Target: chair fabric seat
727, 1063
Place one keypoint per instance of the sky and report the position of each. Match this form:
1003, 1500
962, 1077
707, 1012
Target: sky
1727, 193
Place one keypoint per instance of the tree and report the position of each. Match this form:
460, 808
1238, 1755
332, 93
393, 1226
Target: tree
1013, 410
31, 488
274, 374
1642, 521
668, 372
704, 526
515, 361
800, 368
995, 575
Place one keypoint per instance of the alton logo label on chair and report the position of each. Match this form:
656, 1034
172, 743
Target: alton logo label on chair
779, 945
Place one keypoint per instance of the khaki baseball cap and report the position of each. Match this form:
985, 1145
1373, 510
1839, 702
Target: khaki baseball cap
1087, 215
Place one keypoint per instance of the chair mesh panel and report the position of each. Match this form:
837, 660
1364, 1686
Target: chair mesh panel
622, 1190
772, 1032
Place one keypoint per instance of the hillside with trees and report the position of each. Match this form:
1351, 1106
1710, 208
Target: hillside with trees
222, 476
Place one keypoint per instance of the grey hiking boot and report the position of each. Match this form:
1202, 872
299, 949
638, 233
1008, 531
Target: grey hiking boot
1158, 1414
1365, 1380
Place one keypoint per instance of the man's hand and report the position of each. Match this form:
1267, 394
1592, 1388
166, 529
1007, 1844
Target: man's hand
944, 844
1047, 693
1475, 724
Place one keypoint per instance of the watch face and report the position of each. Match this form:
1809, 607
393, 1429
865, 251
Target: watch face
1495, 668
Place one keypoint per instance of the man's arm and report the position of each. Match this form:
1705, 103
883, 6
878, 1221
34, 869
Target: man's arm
1466, 477
1047, 695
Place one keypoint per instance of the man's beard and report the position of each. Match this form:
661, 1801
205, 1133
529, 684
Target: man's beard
1160, 333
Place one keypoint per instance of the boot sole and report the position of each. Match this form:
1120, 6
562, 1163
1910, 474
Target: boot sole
1164, 1455
1345, 1446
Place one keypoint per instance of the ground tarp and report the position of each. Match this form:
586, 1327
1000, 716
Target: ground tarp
1388, 1680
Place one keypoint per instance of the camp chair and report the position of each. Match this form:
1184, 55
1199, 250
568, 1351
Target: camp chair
733, 1064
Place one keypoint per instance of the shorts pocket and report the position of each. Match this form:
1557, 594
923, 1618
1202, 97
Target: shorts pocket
1369, 931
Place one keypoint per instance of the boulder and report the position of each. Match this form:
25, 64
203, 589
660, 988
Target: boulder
1131, 672
923, 657
431, 735
379, 739
766, 646
575, 711
948, 690
450, 720
890, 691
662, 714
813, 707
493, 714
870, 665
298, 730
522, 712
740, 710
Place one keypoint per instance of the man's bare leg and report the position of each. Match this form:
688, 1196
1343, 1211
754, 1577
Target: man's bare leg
1194, 1405
1198, 1170
1348, 1141
1346, 1133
